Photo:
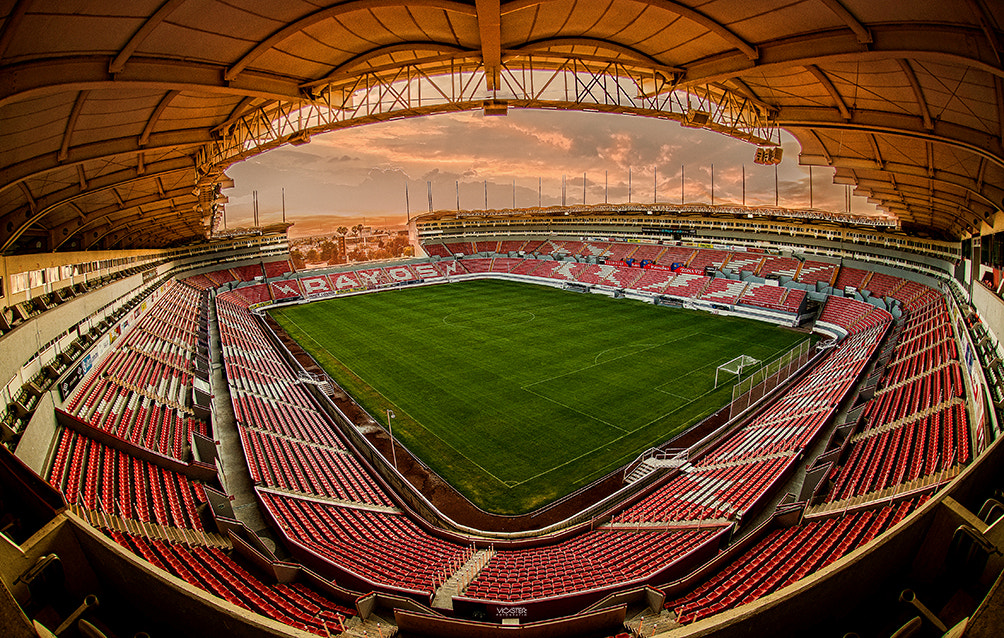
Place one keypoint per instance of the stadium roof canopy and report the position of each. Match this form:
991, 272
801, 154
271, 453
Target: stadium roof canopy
117, 119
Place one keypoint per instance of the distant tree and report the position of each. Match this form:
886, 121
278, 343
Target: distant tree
312, 256
327, 250
342, 230
399, 245
357, 255
297, 257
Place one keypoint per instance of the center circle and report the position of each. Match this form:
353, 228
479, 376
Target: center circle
485, 320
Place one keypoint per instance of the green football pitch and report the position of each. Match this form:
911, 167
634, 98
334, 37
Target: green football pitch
518, 394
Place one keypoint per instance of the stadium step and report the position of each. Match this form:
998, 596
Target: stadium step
919, 375
316, 498
903, 488
745, 461
650, 465
640, 472
892, 425
190, 537
321, 382
460, 579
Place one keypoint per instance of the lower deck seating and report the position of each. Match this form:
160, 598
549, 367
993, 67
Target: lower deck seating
384, 548
707, 257
780, 267
277, 268
460, 248
921, 393
436, 250
620, 251
724, 291
587, 561
764, 296
212, 570
673, 255
882, 285
794, 301
505, 264
707, 493
653, 281
853, 277
254, 294
511, 246
290, 421
308, 468
200, 282
744, 262
687, 285
248, 273
474, 266
103, 479
730, 479
783, 557
141, 391
914, 450
813, 272
845, 312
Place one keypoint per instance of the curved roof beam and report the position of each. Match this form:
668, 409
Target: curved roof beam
918, 93
165, 233
144, 137
147, 218
832, 90
105, 149
949, 218
860, 30
989, 194
944, 43
999, 93
57, 75
750, 51
71, 124
68, 196
32, 204
344, 69
333, 12
116, 65
873, 142
239, 110
953, 135
919, 196
986, 23
65, 231
11, 24
600, 43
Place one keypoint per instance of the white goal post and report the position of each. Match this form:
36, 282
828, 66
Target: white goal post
735, 366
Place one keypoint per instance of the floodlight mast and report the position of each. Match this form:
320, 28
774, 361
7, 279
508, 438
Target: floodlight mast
390, 427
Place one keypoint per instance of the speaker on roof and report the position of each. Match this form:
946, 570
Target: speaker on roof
768, 155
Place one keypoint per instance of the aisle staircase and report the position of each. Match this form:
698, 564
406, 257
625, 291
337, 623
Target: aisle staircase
653, 460
460, 579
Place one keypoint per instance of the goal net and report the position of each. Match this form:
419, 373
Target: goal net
735, 366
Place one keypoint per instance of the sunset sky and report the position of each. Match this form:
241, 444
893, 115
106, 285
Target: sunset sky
359, 174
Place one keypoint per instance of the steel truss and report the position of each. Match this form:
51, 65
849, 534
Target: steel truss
461, 84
